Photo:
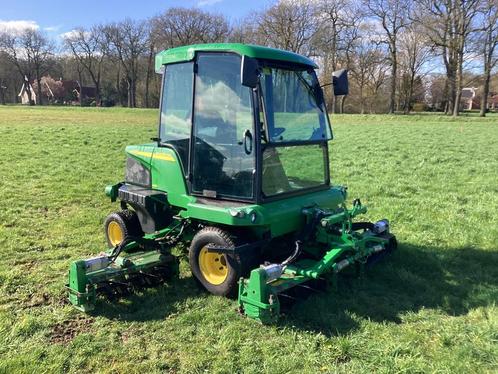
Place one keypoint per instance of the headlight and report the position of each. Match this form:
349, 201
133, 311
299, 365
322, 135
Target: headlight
136, 173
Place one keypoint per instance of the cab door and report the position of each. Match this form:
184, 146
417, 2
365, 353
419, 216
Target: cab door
223, 155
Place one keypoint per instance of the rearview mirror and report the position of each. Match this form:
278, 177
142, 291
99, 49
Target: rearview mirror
249, 72
340, 82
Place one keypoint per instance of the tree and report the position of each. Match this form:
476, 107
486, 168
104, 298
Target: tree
31, 52
448, 24
182, 26
414, 54
89, 48
338, 20
289, 25
9, 79
51, 89
488, 39
393, 17
129, 41
366, 61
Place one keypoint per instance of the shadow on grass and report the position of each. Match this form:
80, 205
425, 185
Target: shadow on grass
412, 278
147, 304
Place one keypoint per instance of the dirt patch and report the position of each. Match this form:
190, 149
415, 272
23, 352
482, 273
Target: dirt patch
66, 331
37, 300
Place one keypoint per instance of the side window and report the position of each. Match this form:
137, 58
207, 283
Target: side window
176, 108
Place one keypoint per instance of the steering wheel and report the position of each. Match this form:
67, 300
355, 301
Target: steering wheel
206, 147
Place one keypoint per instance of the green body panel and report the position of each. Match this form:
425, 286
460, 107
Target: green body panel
279, 216
187, 53
168, 176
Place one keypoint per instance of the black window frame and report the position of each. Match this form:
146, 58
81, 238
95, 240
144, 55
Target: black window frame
261, 197
256, 149
160, 142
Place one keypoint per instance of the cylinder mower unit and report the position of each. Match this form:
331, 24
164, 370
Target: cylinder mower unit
239, 173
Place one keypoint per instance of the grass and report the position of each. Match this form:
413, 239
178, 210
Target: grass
430, 308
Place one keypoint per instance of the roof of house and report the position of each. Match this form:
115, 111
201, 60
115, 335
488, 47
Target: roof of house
69, 85
468, 93
187, 53
87, 91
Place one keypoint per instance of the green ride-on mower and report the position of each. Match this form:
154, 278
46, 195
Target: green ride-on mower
239, 173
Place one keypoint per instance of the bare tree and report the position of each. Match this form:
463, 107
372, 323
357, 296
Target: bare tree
89, 48
289, 25
181, 26
414, 54
129, 40
366, 61
465, 11
337, 20
30, 51
148, 70
488, 39
448, 24
393, 17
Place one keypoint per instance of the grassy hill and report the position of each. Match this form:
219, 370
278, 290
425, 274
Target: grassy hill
431, 307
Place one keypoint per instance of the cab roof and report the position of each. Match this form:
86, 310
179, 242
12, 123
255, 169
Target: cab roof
187, 53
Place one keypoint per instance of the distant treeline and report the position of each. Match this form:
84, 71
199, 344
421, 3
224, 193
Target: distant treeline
401, 55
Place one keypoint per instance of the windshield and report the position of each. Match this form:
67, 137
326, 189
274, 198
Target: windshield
293, 113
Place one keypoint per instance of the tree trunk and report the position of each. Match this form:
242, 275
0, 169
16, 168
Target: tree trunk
458, 85
392, 99
147, 76
39, 90
128, 81
485, 89
343, 99
409, 95
2, 93
451, 94
97, 94
80, 98
118, 86
134, 93
334, 104
30, 94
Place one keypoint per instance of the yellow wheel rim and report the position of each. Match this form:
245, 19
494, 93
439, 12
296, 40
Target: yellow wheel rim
115, 233
213, 266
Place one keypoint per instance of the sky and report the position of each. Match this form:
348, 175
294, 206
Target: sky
56, 17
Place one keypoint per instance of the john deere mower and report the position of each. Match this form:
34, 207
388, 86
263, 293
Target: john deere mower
238, 173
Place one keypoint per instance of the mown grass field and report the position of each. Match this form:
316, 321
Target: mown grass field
430, 308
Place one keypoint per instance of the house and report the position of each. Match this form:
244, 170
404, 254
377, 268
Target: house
85, 92
493, 102
24, 95
58, 91
468, 99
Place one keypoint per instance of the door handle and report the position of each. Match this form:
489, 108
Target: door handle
248, 142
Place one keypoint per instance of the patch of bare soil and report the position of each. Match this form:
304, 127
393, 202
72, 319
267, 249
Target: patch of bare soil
66, 331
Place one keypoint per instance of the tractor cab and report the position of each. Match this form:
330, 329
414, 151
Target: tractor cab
244, 128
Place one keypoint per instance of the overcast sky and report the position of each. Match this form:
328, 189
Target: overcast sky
59, 16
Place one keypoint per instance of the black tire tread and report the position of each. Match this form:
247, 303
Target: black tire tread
128, 220
201, 238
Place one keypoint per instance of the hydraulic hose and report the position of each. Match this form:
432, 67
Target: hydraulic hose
293, 256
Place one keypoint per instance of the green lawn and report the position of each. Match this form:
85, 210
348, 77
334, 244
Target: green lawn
430, 308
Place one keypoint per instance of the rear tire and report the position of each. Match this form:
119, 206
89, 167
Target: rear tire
121, 224
218, 273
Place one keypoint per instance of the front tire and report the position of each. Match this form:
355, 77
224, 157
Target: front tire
122, 224
217, 272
